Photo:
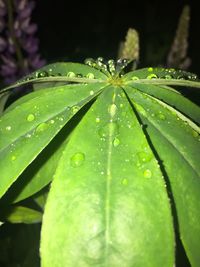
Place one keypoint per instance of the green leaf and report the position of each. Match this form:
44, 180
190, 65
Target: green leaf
41, 118
57, 73
177, 142
173, 98
108, 204
3, 99
19, 214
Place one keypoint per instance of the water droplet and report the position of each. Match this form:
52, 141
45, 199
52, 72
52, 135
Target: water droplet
140, 109
121, 105
152, 76
145, 156
147, 173
90, 76
75, 109
161, 116
13, 158
8, 128
150, 69
30, 117
168, 76
71, 74
28, 135
41, 127
194, 133
134, 78
41, 74
77, 159
125, 181
61, 119
97, 119
102, 173
116, 142
109, 129
91, 92
112, 109
52, 121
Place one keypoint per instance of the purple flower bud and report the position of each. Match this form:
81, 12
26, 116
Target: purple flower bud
30, 45
2, 8
36, 62
3, 44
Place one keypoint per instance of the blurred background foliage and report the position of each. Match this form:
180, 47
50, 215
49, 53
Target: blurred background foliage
75, 30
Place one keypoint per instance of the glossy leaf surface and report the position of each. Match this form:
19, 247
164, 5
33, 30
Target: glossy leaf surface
105, 190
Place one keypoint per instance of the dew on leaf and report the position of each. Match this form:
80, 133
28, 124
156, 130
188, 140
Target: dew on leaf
161, 116
116, 142
52, 121
90, 76
150, 69
13, 158
134, 78
112, 109
91, 92
41, 74
30, 117
77, 159
8, 128
71, 74
41, 127
97, 119
121, 105
109, 129
28, 135
125, 181
75, 109
147, 173
194, 133
152, 76
144, 156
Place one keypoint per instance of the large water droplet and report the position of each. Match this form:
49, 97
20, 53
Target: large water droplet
112, 109
77, 159
75, 109
116, 142
147, 173
109, 129
8, 128
71, 74
41, 74
90, 76
30, 117
41, 127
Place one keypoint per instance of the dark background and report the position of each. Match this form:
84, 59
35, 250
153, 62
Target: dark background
75, 30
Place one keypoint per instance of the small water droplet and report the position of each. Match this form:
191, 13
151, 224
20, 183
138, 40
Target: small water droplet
194, 133
109, 129
30, 117
91, 92
102, 173
161, 116
145, 156
75, 109
121, 105
41, 127
125, 181
61, 119
90, 76
97, 119
71, 74
77, 159
41, 74
52, 121
134, 78
152, 76
8, 128
28, 135
147, 173
13, 158
150, 69
116, 142
112, 109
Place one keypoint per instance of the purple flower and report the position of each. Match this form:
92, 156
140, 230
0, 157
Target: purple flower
18, 44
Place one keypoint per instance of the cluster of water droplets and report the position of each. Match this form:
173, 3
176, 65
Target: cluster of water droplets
109, 67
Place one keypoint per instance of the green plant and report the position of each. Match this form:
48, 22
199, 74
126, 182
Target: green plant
122, 151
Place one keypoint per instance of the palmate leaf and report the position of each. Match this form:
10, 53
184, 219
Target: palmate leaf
133, 146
